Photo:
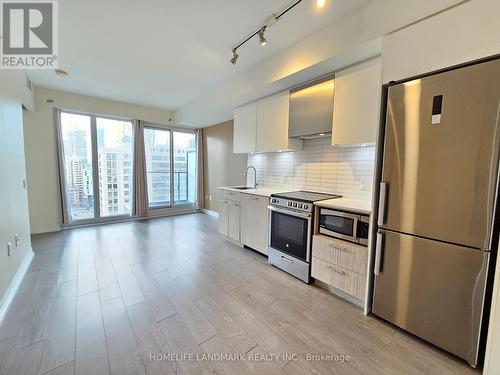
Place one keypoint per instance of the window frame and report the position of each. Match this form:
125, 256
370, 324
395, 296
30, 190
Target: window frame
98, 219
172, 207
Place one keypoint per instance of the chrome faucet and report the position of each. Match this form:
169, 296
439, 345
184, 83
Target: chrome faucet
255, 183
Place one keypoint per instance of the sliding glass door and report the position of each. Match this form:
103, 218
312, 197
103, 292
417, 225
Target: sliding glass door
158, 166
171, 167
184, 168
98, 166
78, 161
115, 166
98, 169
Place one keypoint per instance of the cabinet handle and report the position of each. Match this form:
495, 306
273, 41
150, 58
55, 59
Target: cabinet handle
286, 259
336, 270
339, 248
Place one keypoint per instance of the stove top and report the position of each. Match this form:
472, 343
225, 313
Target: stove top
305, 196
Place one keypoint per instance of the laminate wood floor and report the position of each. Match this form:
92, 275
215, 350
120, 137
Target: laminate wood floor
119, 298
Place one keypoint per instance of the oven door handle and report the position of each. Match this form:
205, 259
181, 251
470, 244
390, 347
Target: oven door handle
303, 215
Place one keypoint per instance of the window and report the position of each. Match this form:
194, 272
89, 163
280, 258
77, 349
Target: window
166, 189
97, 157
157, 147
184, 168
77, 158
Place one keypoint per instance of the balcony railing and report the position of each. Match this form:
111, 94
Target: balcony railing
162, 198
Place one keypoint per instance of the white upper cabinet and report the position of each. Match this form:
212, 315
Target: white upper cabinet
263, 126
272, 124
356, 105
245, 129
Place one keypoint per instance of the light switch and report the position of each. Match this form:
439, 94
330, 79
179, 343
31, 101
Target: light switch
9, 249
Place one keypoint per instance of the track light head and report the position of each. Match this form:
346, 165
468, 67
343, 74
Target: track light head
262, 39
234, 59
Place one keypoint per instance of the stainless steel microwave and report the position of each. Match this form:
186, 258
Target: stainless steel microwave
344, 225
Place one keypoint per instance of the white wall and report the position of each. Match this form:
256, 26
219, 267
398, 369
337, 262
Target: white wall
467, 32
13, 197
41, 152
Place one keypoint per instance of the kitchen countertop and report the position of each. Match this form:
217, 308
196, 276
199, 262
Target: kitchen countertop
263, 192
347, 204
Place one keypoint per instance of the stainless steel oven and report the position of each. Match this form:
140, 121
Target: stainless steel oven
290, 241
290, 231
344, 225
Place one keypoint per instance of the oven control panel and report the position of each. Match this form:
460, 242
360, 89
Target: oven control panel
291, 204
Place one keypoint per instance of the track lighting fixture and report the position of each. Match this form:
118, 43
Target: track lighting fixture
262, 39
234, 59
271, 20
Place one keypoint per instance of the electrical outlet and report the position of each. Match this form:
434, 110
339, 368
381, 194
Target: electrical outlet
9, 249
16, 240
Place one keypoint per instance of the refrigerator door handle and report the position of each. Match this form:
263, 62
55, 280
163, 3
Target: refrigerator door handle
382, 203
378, 253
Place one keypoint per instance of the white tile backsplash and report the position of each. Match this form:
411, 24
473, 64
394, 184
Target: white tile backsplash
318, 167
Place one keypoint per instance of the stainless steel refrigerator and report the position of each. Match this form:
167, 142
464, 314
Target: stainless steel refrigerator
437, 205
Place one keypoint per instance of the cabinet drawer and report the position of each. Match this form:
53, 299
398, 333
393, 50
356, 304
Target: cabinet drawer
231, 195
340, 278
345, 254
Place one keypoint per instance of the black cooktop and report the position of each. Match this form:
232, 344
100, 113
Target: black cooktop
305, 196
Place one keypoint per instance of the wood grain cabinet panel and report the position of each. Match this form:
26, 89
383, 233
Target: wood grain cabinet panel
345, 254
232, 195
255, 222
340, 278
272, 124
357, 103
234, 221
245, 128
223, 217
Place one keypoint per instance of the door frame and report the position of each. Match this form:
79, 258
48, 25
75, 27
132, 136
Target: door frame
172, 207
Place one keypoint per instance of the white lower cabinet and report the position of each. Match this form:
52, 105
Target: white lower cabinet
244, 218
234, 221
230, 214
223, 217
255, 222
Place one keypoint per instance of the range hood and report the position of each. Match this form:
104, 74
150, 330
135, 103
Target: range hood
311, 109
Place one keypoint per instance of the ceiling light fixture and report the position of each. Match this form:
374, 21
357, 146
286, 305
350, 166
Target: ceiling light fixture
320, 3
61, 73
262, 39
234, 59
270, 21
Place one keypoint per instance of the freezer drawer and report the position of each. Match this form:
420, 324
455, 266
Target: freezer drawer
431, 289
441, 170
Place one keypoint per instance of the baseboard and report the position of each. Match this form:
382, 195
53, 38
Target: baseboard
14, 284
210, 212
50, 229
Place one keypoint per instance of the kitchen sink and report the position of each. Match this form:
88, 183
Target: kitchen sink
242, 187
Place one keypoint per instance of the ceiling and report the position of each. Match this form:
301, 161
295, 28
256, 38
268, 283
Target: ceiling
164, 53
